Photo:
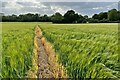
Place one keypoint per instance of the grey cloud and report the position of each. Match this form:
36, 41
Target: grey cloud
85, 8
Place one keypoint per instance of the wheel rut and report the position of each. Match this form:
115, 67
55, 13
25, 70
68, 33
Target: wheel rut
47, 63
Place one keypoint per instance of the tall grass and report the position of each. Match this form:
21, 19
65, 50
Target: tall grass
86, 50
17, 49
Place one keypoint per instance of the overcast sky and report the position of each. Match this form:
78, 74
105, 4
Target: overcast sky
88, 7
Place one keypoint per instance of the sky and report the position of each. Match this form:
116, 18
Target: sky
49, 7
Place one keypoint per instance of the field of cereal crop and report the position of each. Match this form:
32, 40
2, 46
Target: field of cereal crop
85, 50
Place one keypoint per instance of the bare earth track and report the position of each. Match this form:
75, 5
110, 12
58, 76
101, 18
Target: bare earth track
47, 63
43, 65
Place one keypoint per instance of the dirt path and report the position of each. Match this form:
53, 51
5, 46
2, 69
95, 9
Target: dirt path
43, 65
47, 64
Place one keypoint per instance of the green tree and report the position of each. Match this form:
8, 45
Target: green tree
71, 17
45, 18
57, 18
100, 16
13, 17
36, 17
82, 19
95, 16
103, 15
118, 15
112, 15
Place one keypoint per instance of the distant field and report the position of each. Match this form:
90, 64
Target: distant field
85, 50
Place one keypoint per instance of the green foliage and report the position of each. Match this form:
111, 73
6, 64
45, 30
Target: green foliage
70, 17
17, 49
113, 15
57, 18
86, 50
91, 20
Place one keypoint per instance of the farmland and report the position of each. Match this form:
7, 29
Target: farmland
17, 49
85, 50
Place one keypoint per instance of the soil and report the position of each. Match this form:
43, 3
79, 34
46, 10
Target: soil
46, 67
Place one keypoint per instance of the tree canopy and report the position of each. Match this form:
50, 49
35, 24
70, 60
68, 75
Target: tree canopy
69, 17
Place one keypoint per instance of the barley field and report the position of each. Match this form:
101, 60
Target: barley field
17, 49
85, 50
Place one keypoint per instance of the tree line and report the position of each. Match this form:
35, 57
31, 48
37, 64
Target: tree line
69, 17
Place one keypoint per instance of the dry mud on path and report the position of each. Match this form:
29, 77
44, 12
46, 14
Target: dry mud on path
47, 63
